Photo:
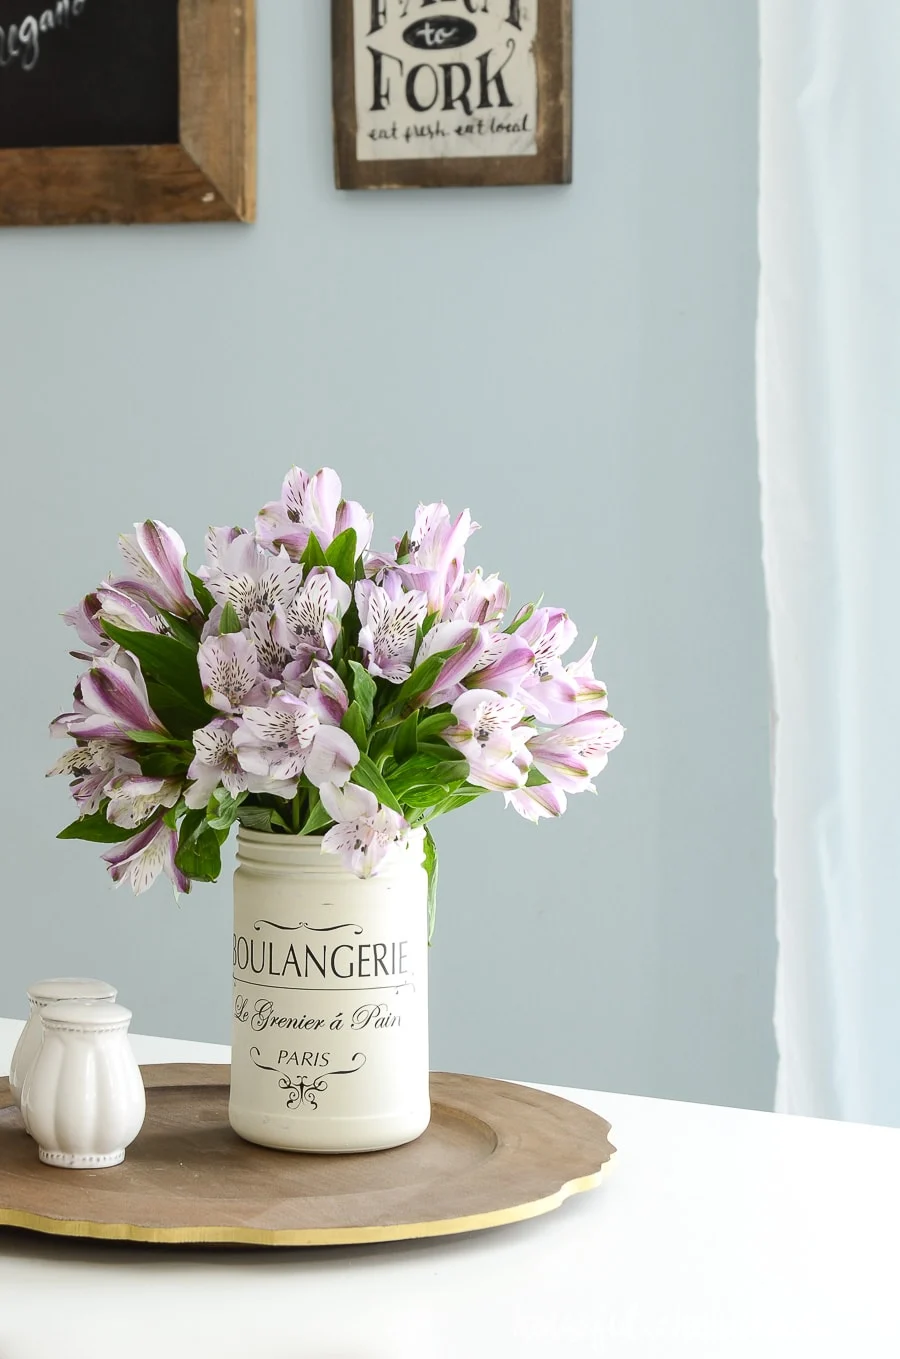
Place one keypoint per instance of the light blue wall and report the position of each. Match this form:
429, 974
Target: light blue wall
574, 364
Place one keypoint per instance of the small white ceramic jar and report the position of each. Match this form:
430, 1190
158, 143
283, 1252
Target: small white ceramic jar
83, 1100
40, 995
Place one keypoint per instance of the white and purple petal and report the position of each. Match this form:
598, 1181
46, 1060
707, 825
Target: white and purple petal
470, 640
229, 672
546, 800
503, 665
117, 699
332, 757
390, 618
135, 797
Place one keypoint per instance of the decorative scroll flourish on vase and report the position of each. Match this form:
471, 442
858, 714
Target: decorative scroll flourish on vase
300, 1089
319, 929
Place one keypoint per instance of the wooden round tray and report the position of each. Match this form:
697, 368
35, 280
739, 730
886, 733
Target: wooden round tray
494, 1153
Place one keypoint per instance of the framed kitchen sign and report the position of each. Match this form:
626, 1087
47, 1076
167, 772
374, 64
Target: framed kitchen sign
432, 93
127, 111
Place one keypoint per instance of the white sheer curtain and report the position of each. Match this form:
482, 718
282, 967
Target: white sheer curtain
829, 419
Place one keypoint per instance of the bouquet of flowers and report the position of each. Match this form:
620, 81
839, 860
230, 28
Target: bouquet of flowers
301, 683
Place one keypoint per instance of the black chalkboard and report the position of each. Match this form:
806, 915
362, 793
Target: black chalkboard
88, 72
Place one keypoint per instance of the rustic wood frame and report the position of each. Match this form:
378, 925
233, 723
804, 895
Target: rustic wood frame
551, 165
209, 175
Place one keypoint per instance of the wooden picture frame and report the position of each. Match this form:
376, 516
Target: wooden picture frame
208, 175
549, 163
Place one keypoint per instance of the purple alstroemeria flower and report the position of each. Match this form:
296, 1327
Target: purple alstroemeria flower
478, 599
250, 578
546, 800
286, 739
436, 554
274, 741
472, 642
155, 553
549, 632
60, 726
488, 733
332, 758
573, 755
322, 688
312, 504
119, 608
503, 665
311, 625
390, 619
215, 541
83, 617
364, 832
216, 762
565, 692
92, 767
135, 797
266, 631
147, 854
229, 672
116, 702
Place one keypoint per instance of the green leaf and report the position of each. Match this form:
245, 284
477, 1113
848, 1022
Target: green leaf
341, 555
440, 750
96, 828
380, 742
256, 818
227, 809
421, 680
313, 554
366, 775
461, 798
198, 854
535, 778
172, 815
168, 662
523, 616
318, 816
364, 691
406, 743
162, 764
157, 738
181, 719
229, 622
435, 723
350, 625
181, 630
201, 594
424, 772
354, 725
431, 868
428, 797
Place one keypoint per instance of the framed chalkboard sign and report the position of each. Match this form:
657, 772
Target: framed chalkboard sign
433, 93
127, 111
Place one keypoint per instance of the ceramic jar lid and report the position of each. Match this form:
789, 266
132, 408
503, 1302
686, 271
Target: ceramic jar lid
70, 988
91, 1018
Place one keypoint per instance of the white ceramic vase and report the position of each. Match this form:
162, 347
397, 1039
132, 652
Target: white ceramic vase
40, 995
330, 1030
84, 1100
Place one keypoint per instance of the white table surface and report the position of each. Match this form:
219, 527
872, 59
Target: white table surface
716, 1232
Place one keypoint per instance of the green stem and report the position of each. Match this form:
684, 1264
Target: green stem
295, 812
